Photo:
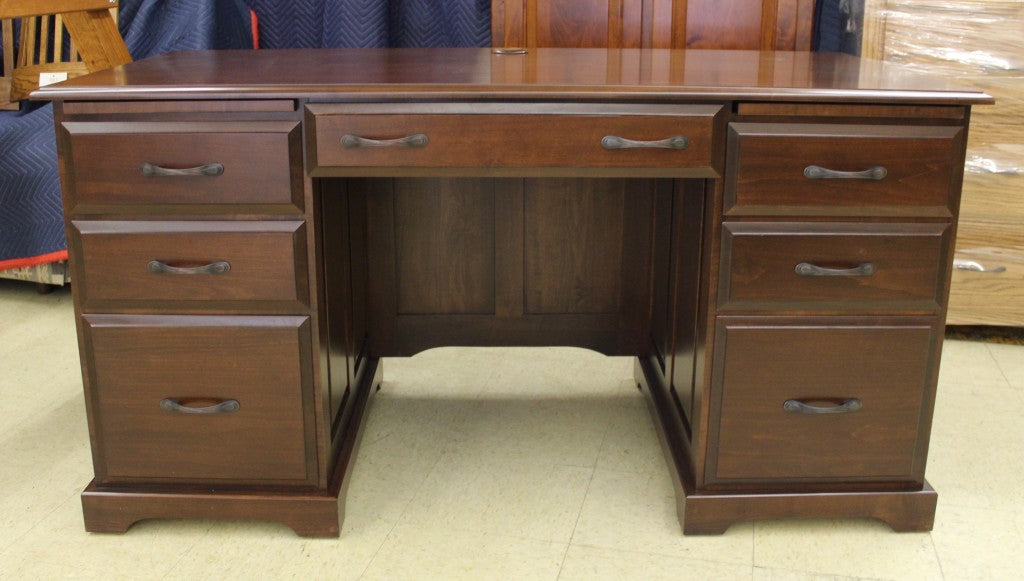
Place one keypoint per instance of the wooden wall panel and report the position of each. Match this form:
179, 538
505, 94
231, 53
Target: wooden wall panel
711, 24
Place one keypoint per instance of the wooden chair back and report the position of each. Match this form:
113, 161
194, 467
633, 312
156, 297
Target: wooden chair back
56, 38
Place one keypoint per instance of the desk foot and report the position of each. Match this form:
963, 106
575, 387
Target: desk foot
317, 513
702, 513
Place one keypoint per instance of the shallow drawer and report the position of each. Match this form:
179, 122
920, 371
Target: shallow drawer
675, 139
194, 265
831, 265
200, 398
226, 163
849, 170
809, 400
988, 275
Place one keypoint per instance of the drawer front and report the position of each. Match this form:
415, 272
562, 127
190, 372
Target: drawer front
194, 265
499, 136
988, 275
173, 164
772, 377
141, 369
845, 170
833, 265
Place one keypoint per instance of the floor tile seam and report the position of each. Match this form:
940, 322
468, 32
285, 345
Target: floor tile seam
999, 365
661, 554
39, 521
806, 572
583, 503
391, 530
416, 523
938, 556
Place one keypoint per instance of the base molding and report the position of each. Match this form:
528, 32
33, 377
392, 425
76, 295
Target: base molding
317, 513
701, 513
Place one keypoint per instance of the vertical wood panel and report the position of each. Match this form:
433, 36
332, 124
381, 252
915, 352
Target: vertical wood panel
508, 248
574, 233
444, 246
581, 23
711, 24
724, 24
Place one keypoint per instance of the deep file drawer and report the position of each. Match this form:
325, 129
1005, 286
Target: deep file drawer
200, 398
200, 265
674, 139
794, 169
122, 166
822, 400
833, 266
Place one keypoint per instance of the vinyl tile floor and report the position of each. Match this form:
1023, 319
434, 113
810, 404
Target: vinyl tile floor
500, 464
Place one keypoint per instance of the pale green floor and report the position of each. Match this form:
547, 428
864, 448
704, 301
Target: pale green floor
500, 464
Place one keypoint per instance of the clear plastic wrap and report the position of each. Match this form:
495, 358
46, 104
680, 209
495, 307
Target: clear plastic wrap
978, 43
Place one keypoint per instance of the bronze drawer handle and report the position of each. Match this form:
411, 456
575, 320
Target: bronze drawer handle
616, 142
816, 172
225, 407
844, 407
208, 170
219, 267
415, 140
808, 269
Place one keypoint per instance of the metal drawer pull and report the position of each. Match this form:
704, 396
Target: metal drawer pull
415, 140
808, 269
219, 267
816, 172
798, 407
208, 170
225, 407
975, 266
616, 142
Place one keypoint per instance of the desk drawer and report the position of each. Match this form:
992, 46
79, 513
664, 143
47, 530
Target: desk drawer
829, 265
848, 170
772, 376
188, 163
191, 264
148, 376
483, 135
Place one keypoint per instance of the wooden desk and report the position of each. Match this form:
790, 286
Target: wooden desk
769, 233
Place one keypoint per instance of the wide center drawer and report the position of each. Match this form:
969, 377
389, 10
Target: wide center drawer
833, 266
808, 399
191, 264
845, 170
200, 398
230, 163
675, 139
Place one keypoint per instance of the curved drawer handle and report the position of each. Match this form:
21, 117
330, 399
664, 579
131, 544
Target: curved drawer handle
219, 267
816, 172
415, 140
846, 406
208, 170
808, 269
616, 142
974, 266
225, 407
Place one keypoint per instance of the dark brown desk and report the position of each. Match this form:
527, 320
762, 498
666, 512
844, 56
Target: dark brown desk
769, 233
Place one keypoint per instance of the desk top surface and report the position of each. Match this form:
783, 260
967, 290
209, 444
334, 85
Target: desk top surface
543, 73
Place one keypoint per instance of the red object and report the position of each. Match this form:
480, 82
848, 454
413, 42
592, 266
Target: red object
255, 29
34, 260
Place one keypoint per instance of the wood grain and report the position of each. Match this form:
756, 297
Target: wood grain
764, 363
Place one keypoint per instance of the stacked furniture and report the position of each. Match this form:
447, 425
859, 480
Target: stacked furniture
977, 42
